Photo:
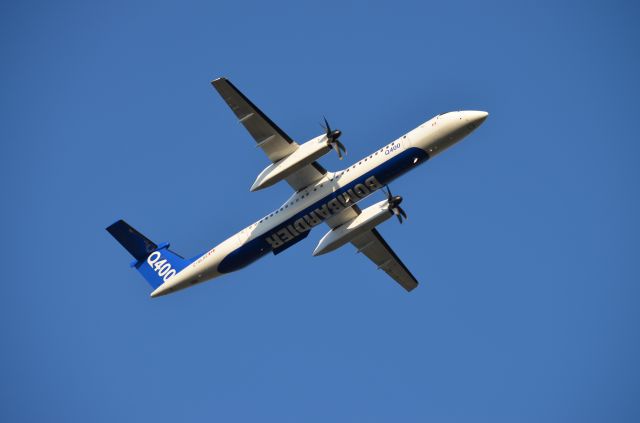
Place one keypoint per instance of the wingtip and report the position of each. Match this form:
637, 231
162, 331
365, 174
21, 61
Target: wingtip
411, 287
219, 79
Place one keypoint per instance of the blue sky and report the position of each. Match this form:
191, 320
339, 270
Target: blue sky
524, 236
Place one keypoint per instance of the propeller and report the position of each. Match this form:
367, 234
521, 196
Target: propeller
332, 139
394, 205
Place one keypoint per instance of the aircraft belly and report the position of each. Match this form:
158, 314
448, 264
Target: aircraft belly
297, 227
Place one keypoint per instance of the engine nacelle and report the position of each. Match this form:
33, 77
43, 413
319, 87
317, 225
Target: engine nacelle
365, 221
306, 154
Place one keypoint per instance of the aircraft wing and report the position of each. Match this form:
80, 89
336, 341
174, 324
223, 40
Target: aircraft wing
268, 136
372, 245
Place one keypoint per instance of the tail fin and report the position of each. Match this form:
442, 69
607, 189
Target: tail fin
156, 263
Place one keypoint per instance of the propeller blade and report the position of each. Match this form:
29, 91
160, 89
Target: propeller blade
326, 124
341, 147
337, 148
332, 138
388, 192
394, 204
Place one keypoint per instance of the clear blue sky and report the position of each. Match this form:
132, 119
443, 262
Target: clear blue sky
524, 236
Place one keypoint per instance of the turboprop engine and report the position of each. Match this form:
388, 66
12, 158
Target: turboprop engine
369, 218
306, 154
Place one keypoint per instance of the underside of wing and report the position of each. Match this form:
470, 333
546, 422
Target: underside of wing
275, 143
306, 176
372, 245
268, 136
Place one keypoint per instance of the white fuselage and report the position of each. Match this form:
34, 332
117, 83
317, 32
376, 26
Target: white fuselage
326, 198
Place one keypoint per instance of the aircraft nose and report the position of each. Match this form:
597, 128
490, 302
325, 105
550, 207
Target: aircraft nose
475, 117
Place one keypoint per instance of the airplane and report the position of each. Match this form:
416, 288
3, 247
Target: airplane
319, 196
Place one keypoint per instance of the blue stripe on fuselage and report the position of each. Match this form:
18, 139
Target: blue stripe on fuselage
384, 173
